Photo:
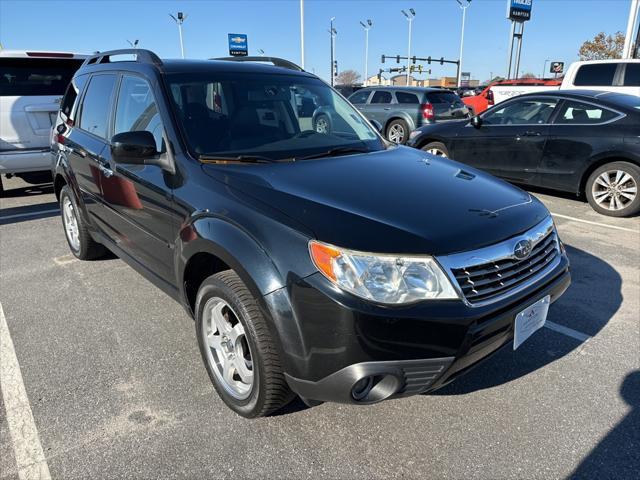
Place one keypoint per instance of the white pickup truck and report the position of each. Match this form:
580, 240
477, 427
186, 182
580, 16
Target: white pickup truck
31, 87
621, 76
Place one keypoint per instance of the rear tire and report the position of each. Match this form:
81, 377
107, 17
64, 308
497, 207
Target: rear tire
612, 189
237, 348
438, 149
81, 244
398, 131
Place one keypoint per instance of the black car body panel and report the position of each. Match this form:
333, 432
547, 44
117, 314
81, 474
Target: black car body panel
179, 224
552, 155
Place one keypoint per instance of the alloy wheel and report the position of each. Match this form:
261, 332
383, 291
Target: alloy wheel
614, 190
437, 152
70, 224
228, 351
396, 133
322, 126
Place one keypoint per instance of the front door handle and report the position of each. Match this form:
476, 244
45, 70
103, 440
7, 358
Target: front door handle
530, 133
106, 171
387, 108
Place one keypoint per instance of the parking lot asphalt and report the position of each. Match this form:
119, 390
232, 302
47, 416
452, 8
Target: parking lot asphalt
116, 386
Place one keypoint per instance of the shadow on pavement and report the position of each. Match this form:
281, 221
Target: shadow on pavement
587, 306
29, 191
28, 212
618, 454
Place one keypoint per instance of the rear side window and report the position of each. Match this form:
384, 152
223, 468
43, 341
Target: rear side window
36, 76
632, 75
94, 117
596, 75
360, 97
583, 113
381, 97
449, 98
69, 101
404, 97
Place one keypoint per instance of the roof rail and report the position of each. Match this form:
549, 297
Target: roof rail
278, 62
142, 55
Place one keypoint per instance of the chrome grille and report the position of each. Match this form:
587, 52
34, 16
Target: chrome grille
492, 272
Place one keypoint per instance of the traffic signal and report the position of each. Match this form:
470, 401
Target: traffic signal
411, 68
382, 61
441, 60
413, 59
429, 60
397, 58
420, 69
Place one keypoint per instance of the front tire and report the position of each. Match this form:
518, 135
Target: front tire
81, 244
612, 189
237, 347
438, 149
322, 124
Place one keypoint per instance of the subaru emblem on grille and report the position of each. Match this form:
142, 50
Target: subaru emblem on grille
522, 249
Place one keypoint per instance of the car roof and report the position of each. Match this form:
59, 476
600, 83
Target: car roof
612, 98
608, 60
405, 88
35, 54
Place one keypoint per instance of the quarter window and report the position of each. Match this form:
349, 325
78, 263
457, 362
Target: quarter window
96, 105
137, 109
596, 75
381, 97
581, 113
404, 97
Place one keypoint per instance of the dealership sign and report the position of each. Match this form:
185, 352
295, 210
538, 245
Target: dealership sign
519, 10
238, 46
557, 67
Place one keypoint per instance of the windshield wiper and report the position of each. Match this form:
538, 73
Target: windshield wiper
238, 158
335, 152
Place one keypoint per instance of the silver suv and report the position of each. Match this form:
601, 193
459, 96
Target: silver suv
399, 110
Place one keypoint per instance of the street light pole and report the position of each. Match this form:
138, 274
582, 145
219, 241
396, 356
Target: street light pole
332, 32
179, 21
627, 51
464, 7
366, 27
410, 16
302, 33
544, 69
133, 44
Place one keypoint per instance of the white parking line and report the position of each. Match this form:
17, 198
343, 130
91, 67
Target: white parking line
30, 214
27, 449
569, 332
614, 227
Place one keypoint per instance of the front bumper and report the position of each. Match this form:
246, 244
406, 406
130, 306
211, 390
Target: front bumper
404, 350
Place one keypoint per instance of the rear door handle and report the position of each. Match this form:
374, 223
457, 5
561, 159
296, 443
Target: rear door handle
530, 133
387, 108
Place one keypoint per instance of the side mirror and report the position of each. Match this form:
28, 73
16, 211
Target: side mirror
376, 124
134, 148
476, 121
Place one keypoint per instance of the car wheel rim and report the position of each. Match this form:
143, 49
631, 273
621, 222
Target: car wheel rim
396, 133
228, 351
437, 152
614, 190
322, 126
70, 224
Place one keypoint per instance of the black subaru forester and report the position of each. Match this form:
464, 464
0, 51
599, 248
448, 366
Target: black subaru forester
328, 264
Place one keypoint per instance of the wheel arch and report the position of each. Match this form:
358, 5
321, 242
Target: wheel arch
58, 184
400, 116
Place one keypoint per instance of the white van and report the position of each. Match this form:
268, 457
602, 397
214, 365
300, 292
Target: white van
31, 87
621, 76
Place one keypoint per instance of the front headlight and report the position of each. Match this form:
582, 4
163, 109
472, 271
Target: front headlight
382, 278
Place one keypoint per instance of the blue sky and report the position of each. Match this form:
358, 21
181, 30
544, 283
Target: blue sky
555, 32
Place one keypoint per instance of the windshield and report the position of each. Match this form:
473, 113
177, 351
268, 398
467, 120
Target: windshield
270, 116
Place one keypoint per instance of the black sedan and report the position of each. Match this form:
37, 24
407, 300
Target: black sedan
579, 141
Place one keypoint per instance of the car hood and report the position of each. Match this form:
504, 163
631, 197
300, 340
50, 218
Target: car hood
399, 200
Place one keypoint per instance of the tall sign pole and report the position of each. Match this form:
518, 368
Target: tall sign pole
627, 51
518, 12
302, 34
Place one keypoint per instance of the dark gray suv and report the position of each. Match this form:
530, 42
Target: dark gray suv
402, 109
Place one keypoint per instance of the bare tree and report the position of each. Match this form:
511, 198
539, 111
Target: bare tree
347, 77
528, 75
602, 47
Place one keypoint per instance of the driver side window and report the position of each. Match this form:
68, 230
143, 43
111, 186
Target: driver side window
522, 112
137, 110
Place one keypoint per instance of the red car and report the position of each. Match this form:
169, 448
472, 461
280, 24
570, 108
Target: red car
479, 103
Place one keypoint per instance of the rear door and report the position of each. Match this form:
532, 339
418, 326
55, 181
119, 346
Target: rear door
511, 140
86, 142
379, 106
447, 106
409, 102
31, 89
